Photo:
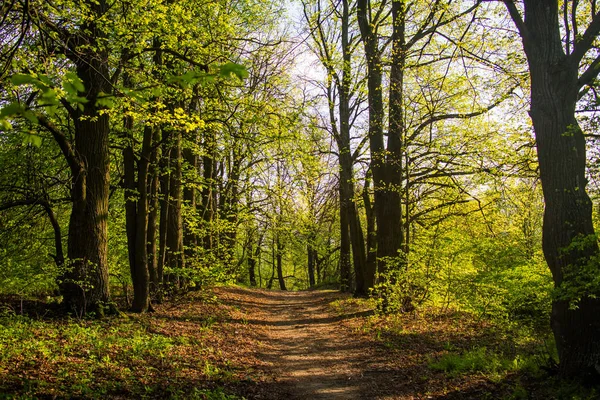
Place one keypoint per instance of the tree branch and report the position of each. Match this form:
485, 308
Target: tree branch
64, 144
517, 19
580, 47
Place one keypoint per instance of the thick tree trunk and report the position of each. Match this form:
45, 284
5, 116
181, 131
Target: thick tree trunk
567, 216
349, 223
85, 285
383, 194
136, 210
388, 177
389, 207
351, 230
562, 160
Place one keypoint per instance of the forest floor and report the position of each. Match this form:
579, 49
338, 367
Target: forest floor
230, 343
326, 345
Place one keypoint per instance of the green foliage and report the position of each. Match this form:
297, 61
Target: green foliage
520, 294
582, 278
212, 394
232, 69
401, 288
92, 359
481, 360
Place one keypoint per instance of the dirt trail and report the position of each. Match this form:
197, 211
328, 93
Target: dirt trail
310, 355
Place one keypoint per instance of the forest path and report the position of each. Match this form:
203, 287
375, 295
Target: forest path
311, 355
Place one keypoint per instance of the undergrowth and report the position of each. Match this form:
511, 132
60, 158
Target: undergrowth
459, 349
492, 364
131, 356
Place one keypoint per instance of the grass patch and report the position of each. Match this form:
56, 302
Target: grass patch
173, 353
482, 360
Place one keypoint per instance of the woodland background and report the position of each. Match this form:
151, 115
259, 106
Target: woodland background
384, 148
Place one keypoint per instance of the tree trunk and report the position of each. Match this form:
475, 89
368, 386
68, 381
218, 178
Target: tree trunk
136, 210
311, 263
141, 275
190, 239
389, 208
273, 264
208, 206
279, 247
345, 262
230, 197
85, 285
165, 206
152, 248
175, 255
371, 263
129, 193
251, 265
562, 162
383, 202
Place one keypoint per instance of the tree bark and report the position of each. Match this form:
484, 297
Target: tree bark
311, 263
190, 239
208, 206
562, 160
389, 209
383, 195
85, 285
152, 248
175, 255
371, 263
164, 212
345, 254
251, 265
141, 274
279, 249
229, 210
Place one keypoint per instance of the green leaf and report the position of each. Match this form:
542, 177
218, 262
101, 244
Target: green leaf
77, 99
70, 88
45, 80
5, 125
30, 116
107, 102
22, 79
75, 81
32, 139
49, 98
11, 109
226, 70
